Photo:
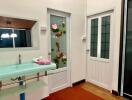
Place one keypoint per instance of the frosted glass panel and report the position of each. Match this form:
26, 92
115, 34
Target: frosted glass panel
105, 37
58, 40
94, 37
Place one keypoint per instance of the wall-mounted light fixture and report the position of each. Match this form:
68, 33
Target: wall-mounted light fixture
5, 35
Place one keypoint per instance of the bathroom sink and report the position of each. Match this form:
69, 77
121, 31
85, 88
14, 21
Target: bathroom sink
26, 69
26, 65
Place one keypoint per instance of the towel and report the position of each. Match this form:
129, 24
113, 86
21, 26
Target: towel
43, 62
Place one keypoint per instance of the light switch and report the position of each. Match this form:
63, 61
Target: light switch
83, 37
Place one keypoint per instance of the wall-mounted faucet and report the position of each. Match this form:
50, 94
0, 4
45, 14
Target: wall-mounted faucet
20, 60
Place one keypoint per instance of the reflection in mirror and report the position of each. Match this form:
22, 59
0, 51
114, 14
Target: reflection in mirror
15, 38
15, 32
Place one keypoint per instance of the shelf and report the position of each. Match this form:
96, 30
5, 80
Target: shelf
21, 89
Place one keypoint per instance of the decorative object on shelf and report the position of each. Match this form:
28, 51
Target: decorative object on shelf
41, 61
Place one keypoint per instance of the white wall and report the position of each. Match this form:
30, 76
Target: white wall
93, 7
37, 9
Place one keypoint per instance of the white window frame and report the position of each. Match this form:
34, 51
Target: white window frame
99, 17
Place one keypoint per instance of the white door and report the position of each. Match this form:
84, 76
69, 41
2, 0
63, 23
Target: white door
59, 49
100, 49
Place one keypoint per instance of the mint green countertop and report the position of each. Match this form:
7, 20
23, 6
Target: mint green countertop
13, 71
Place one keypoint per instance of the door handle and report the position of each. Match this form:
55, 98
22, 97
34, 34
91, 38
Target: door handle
87, 50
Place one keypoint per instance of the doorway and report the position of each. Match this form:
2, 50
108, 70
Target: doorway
59, 49
100, 49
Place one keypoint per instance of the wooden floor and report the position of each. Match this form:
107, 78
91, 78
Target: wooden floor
105, 94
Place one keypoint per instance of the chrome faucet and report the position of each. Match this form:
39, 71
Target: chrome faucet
20, 60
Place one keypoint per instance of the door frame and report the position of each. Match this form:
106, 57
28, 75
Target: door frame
68, 20
124, 13
103, 13
98, 15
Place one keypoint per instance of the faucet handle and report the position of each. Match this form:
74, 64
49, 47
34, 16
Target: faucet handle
19, 55
20, 59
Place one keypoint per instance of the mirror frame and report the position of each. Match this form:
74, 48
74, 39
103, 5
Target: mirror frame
37, 47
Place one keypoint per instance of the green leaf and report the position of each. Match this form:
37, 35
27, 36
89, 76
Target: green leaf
55, 30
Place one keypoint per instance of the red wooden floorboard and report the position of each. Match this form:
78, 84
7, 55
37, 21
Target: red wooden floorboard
73, 93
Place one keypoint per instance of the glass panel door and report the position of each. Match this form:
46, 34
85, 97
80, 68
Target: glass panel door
105, 37
94, 37
100, 49
58, 40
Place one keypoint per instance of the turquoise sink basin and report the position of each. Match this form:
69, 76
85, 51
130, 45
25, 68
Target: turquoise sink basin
13, 71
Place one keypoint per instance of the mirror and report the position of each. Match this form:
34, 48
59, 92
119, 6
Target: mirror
18, 33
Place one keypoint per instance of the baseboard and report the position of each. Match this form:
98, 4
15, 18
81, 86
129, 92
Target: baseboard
59, 88
105, 86
127, 96
79, 82
115, 93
